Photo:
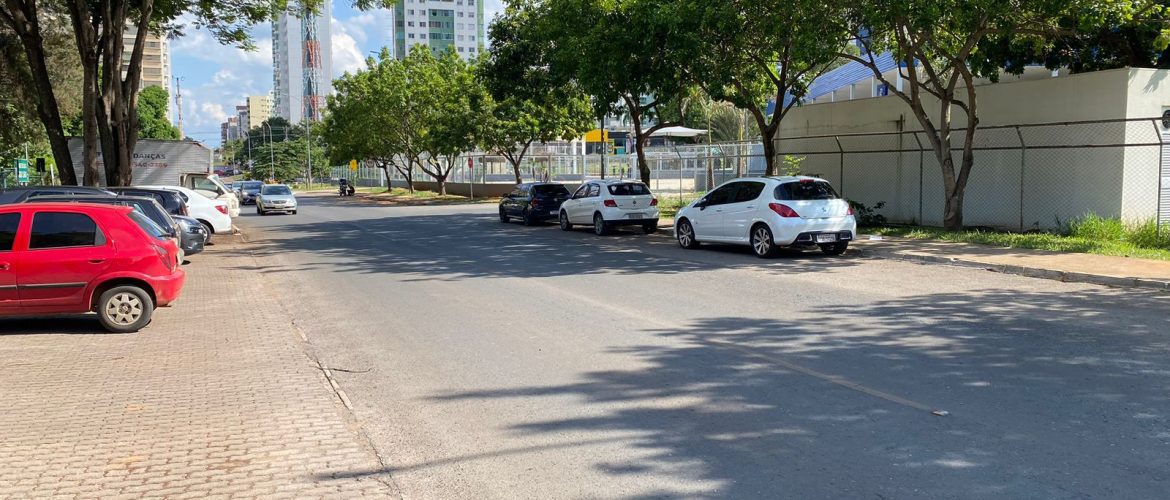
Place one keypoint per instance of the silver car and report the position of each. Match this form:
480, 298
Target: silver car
276, 198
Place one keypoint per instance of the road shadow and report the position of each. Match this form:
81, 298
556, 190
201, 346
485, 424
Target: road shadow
452, 247
1048, 395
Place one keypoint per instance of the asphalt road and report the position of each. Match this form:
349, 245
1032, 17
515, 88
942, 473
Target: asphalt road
501, 361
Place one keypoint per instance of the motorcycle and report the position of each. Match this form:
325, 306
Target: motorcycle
345, 189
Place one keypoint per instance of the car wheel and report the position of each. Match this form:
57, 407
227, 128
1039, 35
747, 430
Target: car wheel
527, 218
503, 215
599, 227
762, 243
294, 212
650, 227
686, 235
837, 248
124, 309
565, 224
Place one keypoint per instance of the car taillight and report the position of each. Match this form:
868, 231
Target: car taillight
783, 210
654, 202
222, 209
610, 203
534, 203
166, 257
849, 211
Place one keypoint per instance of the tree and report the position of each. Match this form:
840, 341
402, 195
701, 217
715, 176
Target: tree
621, 54
152, 114
528, 105
382, 98
452, 105
945, 45
288, 160
761, 54
22, 20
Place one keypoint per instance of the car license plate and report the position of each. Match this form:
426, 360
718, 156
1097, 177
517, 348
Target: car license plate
636, 215
826, 238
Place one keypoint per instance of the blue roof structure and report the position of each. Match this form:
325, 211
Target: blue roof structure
841, 77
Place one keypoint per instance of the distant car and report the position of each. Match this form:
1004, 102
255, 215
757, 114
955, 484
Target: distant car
533, 202
19, 194
213, 214
67, 258
276, 198
609, 203
768, 213
249, 190
170, 199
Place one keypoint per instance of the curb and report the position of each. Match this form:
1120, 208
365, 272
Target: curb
1030, 272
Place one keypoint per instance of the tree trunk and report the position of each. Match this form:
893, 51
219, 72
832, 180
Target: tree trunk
442, 180
27, 27
516, 169
770, 157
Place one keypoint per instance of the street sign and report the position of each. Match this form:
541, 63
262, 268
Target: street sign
22, 171
353, 165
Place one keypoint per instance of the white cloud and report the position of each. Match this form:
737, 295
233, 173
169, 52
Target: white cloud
347, 57
214, 111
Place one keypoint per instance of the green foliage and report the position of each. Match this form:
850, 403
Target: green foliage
1141, 234
792, 164
1094, 226
1153, 248
287, 160
152, 115
868, 216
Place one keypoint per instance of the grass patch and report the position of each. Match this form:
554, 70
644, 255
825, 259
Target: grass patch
402, 196
1090, 234
669, 204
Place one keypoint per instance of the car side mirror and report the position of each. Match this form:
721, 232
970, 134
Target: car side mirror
701, 205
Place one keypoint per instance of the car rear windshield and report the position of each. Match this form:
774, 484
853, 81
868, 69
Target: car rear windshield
549, 189
628, 189
147, 225
252, 185
805, 190
276, 190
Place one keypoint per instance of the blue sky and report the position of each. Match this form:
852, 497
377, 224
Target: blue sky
216, 78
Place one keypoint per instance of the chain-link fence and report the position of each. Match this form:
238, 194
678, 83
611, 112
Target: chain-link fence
1026, 176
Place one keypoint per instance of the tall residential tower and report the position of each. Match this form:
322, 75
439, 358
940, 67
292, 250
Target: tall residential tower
301, 63
439, 24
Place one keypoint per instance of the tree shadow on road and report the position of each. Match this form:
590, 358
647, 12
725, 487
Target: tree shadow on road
1048, 394
453, 247
53, 325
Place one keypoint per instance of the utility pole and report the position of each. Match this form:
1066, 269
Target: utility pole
271, 155
309, 155
179, 103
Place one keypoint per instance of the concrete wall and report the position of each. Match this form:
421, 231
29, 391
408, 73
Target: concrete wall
1012, 188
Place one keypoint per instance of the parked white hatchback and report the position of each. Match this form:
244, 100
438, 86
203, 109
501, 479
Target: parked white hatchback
768, 213
212, 213
608, 203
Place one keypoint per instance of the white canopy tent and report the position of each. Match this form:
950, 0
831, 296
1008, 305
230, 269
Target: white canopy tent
678, 132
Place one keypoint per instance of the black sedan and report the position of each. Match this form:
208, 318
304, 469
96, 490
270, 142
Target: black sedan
533, 202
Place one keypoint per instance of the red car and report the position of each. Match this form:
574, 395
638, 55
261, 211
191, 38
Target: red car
67, 258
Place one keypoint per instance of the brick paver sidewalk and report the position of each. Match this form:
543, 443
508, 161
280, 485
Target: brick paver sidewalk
216, 398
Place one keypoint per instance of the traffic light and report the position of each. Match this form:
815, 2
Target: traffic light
40, 165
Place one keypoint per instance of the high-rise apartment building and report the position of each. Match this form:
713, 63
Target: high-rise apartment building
302, 73
242, 120
259, 110
439, 24
229, 130
156, 61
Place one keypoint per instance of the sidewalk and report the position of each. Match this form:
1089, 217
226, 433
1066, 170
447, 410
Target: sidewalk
216, 398
1072, 267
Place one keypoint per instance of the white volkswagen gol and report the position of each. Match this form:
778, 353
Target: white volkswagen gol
768, 213
608, 203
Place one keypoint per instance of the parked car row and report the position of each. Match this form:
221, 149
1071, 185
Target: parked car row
117, 252
765, 213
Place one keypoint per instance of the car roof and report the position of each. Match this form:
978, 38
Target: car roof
617, 181
785, 178
95, 189
57, 205
65, 197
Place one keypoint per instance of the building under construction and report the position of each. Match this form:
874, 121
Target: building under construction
301, 63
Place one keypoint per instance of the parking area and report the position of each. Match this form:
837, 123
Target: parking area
218, 396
